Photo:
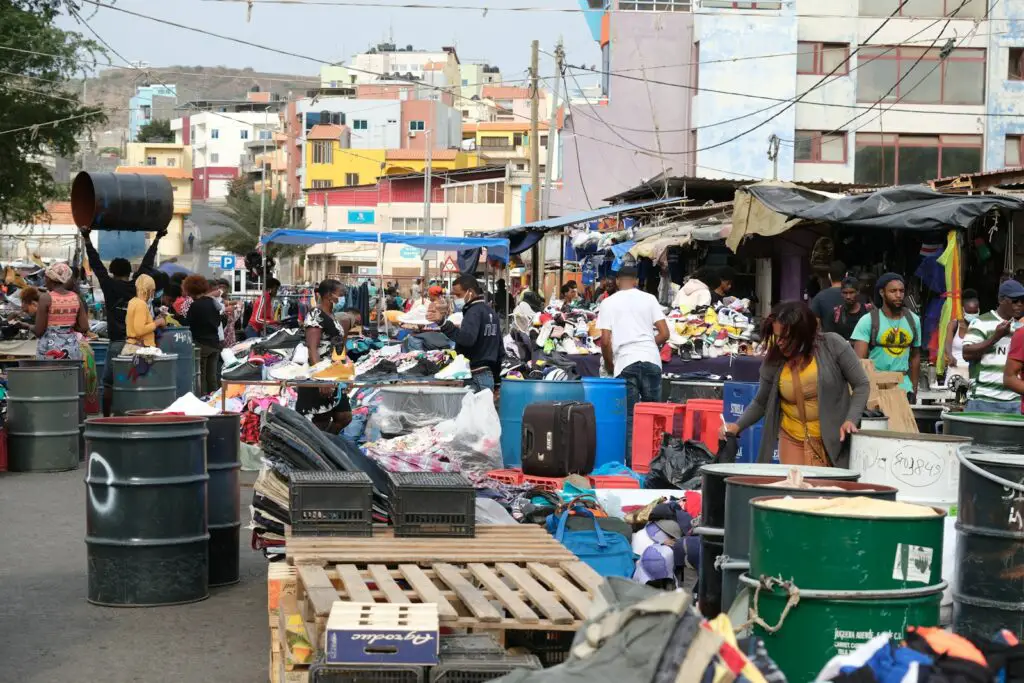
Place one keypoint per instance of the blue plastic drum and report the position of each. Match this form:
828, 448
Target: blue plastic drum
609, 398
516, 394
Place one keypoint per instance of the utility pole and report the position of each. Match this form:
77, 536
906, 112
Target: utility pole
538, 251
552, 124
427, 192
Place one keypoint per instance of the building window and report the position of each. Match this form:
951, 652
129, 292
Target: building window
321, 184
171, 161
266, 134
465, 82
465, 113
214, 133
323, 152
150, 161
493, 142
543, 140
244, 134
974, 9
891, 159
192, 133
416, 125
414, 226
476, 193
814, 146
654, 5
214, 158
821, 58
360, 124
147, 111
958, 79
351, 178
518, 139
1016, 72
1013, 151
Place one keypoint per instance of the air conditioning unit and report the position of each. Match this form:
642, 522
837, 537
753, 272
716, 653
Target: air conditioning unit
412, 133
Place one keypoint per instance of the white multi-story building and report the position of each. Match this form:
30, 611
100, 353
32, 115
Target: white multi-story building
475, 76
933, 90
388, 60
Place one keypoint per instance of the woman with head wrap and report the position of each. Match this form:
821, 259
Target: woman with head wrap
139, 322
59, 316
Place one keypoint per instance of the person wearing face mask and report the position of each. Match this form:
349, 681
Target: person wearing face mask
478, 338
957, 331
986, 348
811, 393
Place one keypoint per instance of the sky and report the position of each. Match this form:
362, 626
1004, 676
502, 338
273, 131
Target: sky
333, 33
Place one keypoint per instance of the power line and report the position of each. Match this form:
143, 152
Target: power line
576, 145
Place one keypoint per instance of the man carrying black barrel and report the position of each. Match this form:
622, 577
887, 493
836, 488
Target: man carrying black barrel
118, 287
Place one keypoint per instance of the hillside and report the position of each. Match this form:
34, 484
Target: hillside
113, 87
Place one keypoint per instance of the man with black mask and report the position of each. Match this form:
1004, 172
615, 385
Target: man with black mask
478, 338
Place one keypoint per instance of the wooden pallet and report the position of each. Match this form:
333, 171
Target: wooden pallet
492, 543
477, 596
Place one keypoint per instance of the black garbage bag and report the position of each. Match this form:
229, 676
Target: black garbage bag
728, 449
677, 465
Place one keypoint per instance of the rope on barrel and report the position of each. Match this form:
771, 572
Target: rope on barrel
988, 475
770, 583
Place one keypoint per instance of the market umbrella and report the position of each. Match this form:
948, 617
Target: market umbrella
172, 268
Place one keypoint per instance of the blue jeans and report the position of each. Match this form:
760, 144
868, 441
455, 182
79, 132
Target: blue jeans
981, 405
482, 379
643, 385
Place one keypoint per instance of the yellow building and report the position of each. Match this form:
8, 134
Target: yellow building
505, 141
331, 163
175, 162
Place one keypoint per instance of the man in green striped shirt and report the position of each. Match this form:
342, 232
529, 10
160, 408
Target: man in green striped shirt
986, 346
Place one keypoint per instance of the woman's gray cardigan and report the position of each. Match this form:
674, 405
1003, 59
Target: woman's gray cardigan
839, 369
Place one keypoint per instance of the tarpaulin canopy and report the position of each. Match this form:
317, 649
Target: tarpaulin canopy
763, 209
497, 247
554, 223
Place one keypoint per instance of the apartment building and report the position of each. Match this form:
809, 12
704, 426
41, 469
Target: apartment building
474, 77
389, 60
462, 202
878, 99
150, 103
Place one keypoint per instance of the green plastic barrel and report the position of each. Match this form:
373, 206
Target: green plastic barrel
856, 576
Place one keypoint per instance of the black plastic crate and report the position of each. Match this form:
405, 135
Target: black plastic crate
432, 504
320, 672
331, 504
475, 670
551, 647
469, 645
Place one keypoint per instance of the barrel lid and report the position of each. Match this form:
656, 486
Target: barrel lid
994, 457
999, 419
744, 469
518, 380
859, 507
149, 359
912, 436
772, 484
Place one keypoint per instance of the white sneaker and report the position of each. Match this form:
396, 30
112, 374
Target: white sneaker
457, 369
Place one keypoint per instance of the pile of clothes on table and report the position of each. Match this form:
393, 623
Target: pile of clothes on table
540, 341
724, 329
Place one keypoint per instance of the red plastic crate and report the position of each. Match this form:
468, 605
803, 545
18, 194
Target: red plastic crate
703, 421
650, 422
546, 483
614, 481
514, 477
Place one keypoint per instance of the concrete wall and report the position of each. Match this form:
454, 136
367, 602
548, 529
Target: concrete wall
661, 43
1004, 96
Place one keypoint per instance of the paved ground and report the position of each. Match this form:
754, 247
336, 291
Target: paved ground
50, 634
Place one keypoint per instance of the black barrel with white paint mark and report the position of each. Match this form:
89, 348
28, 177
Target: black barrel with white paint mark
224, 465
146, 510
989, 593
144, 384
42, 417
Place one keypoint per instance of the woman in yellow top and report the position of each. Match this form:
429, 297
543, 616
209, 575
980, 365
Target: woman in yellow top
139, 323
812, 391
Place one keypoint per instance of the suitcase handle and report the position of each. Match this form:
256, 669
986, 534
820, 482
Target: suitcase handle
527, 440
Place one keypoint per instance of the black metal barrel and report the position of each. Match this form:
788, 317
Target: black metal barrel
146, 510
989, 593
80, 366
712, 523
988, 430
122, 201
739, 491
178, 342
149, 386
224, 465
42, 414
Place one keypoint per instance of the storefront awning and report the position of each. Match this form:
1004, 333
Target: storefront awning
497, 247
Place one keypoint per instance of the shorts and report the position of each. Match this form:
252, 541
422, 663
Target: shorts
113, 351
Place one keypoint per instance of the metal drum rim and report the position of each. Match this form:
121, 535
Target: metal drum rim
858, 486
759, 504
734, 468
995, 419
140, 420
151, 359
994, 457
914, 436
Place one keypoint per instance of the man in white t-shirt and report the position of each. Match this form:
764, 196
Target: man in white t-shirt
632, 328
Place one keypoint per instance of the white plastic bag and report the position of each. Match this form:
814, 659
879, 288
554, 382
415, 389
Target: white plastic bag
476, 439
301, 354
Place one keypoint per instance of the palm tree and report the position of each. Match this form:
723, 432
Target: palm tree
240, 219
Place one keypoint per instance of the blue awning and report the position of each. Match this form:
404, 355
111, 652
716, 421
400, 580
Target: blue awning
497, 247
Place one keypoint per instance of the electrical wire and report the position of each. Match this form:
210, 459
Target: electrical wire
576, 145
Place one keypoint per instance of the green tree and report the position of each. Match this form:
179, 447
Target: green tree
240, 220
156, 131
38, 119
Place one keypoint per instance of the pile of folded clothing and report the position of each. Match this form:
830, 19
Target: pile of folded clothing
291, 443
713, 331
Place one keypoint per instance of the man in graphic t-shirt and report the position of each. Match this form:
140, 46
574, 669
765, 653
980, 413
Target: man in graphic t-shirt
891, 335
986, 349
